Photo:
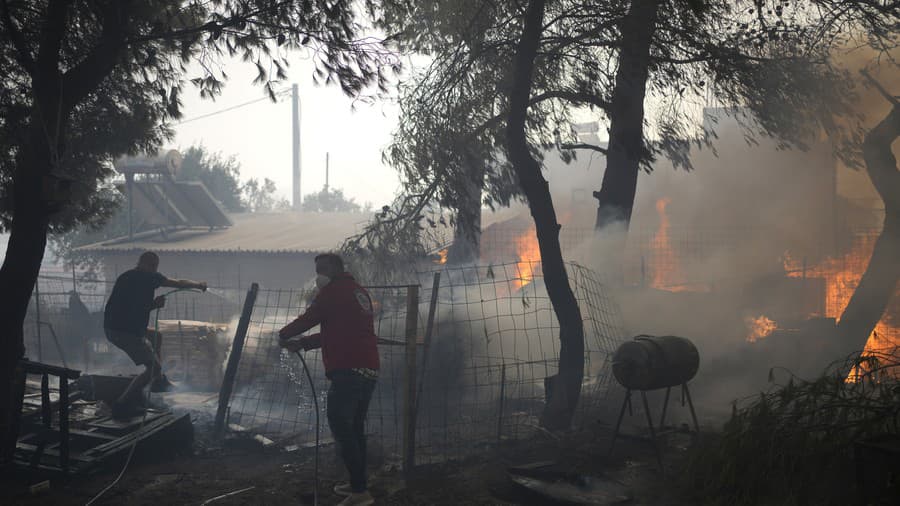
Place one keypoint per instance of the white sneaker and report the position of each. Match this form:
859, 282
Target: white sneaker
362, 499
343, 489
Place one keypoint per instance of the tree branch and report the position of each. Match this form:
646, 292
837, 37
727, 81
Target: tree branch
592, 147
51, 37
572, 96
22, 55
84, 77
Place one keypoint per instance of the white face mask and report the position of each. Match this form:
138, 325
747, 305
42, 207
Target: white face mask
322, 280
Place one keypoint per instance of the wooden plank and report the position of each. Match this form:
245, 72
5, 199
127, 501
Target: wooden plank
426, 340
64, 424
409, 397
91, 434
149, 429
44, 468
45, 400
39, 368
111, 424
51, 452
234, 359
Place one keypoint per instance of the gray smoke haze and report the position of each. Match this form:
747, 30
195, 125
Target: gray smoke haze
730, 224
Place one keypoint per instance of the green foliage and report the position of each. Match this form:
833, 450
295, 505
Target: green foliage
260, 197
118, 70
330, 201
392, 243
772, 58
220, 175
793, 445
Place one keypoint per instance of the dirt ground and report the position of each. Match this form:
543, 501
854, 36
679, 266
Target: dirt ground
280, 477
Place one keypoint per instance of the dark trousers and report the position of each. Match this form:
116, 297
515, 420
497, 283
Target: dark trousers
348, 402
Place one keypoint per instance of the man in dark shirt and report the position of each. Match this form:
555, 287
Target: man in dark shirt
125, 321
343, 310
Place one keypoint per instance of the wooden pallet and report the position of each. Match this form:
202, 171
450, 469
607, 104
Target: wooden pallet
67, 435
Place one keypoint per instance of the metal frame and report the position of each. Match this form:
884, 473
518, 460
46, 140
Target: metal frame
626, 402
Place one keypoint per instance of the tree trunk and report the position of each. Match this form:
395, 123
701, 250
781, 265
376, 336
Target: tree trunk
54, 95
27, 241
467, 231
565, 388
879, 283
626, 113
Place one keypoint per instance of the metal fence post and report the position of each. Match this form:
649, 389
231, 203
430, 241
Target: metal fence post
234, 359
409, 397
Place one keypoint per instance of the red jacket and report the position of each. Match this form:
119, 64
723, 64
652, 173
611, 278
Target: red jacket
343, 309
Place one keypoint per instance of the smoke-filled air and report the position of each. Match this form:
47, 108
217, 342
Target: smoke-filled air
473, 252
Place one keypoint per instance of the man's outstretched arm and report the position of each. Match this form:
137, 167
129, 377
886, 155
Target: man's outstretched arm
184, 283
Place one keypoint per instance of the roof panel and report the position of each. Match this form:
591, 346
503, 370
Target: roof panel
181, 203
286, 232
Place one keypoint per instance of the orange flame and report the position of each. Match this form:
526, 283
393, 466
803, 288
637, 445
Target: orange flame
442, 254
842, 276
760, 327
667, 272
529, 255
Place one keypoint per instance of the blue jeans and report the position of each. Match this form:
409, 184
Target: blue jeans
348, 402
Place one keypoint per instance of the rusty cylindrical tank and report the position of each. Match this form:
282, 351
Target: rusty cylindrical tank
652, 362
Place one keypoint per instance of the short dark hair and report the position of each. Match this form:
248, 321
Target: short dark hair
148, 257
331, 259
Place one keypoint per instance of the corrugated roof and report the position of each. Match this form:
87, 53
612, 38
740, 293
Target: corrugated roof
286, 232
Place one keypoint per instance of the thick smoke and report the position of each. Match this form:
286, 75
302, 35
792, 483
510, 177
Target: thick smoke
707, 249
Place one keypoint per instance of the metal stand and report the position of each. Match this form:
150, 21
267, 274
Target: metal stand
626, 402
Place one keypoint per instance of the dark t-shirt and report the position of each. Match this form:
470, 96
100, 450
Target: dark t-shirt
129, 304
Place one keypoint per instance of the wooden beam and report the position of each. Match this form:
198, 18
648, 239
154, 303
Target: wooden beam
409, 379
234, 359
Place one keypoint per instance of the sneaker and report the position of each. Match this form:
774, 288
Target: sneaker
343, 489
161, 384
362, 499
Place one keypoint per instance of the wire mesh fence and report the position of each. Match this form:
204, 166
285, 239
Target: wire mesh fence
271, 395
478, 371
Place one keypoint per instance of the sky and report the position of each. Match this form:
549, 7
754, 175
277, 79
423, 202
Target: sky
259, 135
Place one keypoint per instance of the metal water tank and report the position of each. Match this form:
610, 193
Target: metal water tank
652, 362
163, 163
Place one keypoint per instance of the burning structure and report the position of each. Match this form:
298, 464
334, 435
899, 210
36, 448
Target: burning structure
757, 244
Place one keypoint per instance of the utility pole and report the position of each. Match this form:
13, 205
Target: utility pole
295, 137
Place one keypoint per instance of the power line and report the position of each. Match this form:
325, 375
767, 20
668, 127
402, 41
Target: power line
278, 94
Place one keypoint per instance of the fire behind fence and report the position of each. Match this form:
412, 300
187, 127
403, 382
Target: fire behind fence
485, 338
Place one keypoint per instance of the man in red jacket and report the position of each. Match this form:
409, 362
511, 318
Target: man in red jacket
343, 310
